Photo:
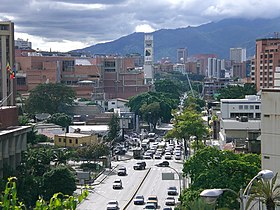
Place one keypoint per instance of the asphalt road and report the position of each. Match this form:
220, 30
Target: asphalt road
141, 182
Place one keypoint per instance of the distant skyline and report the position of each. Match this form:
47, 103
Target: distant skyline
63, 25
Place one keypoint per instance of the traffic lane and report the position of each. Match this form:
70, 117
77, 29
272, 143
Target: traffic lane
104, 192
154, 185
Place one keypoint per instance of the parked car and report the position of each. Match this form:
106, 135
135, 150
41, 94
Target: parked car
138, 200
170, 201
139, 166
163, 164
172, 191
122, 171
113, 205
117, 184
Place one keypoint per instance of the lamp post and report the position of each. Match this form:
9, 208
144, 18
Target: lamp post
211, 195
180, 188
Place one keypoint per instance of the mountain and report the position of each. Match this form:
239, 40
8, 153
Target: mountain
212, 38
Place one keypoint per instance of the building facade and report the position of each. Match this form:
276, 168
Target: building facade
74, 140
237, 55
270, 137
182, 55
267, 58
215, 66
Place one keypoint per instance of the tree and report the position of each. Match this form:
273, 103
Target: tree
93, 152
168, 86
50, 98
61, 119
237, 91
58, 179
151, 113
194, 102
186, 124
266, 190
211, 168
114, 128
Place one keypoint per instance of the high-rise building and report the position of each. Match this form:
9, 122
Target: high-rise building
215, 66
237, 55
266, 60
148, 58
7, 69
182, 55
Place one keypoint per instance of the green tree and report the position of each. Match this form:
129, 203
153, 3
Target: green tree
237, 91
58, 179
211, 168
168, 86
194, 102
61, 119
114, 128
266, 190
50, 98
186, 124
93, 152
151, 113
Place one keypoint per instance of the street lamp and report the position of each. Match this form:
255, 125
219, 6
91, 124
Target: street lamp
211, 195
180, 188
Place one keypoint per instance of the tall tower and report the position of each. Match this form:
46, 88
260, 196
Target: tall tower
182, 54
237, 55
7, 57
148, 58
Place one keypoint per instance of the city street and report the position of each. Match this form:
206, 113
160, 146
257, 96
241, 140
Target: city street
152, 185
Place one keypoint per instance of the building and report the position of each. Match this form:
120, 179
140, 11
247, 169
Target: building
7, 58
215, 67
74, 140
182, 55
118, 103
270, 141
213, 85
148, 58
237, 55
240, 120
266, 60
22, 44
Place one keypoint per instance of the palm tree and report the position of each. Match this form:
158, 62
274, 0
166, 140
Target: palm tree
266, 190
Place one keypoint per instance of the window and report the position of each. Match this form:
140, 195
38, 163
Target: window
245, 106
240, 106
257, 107
251, 107
64, 140
70, 141
258, 115
77, 141
59, 139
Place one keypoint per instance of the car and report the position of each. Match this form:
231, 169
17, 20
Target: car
147, 157
113, 205
163, 164
138, 200
153, 199
167, 208
122, 171
117, 184
170, 201
150, 206
177, 157
139, 166
167, 156
172, 191
157, 156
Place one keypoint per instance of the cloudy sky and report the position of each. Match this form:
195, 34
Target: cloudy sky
63, 25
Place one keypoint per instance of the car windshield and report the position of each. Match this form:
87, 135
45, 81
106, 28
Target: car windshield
139, 197
113, 202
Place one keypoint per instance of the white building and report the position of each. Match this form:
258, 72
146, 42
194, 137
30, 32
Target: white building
22, 44
215, 66
237, 55
179, 68
270, 138
118, 103
148, 58
240, 119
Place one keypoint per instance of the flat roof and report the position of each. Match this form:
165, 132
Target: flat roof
73, 135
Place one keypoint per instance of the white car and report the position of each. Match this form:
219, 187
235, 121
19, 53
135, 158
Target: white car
117, 184
138, 200
113, 205
168, 156
170, 201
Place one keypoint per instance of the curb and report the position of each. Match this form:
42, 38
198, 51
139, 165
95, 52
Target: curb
93, 184
137, 189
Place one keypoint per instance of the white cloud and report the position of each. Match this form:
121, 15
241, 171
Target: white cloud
146, 28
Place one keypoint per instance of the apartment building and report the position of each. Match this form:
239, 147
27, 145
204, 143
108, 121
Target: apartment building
237, 55
270, 137
240, 119
267, 58
182, 55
